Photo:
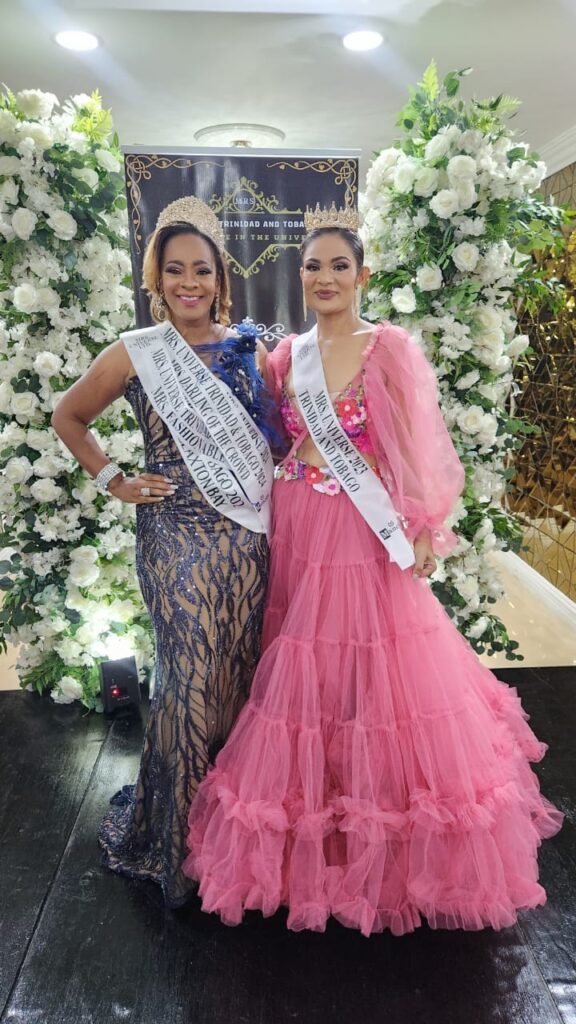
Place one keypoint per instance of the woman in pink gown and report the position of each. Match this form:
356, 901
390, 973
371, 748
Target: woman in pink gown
378, 773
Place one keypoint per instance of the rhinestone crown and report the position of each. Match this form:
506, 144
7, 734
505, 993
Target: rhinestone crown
191, 210
331, 217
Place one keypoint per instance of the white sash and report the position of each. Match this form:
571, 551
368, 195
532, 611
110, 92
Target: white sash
358, 479
225, 452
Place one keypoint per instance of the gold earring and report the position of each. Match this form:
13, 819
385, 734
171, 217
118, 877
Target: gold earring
304, 309
216, 307
158, 307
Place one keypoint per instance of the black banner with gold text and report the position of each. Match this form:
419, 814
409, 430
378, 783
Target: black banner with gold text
259, 198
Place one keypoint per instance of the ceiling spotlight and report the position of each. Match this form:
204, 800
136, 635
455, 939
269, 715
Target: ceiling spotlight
77, 40
363, 40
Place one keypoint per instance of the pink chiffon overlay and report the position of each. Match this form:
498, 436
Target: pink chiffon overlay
378, 772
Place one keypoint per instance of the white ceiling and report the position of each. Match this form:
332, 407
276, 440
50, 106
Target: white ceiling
168, 69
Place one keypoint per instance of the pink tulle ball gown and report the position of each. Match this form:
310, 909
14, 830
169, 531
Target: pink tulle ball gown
378, 773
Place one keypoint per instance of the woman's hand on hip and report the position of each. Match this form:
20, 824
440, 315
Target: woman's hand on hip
146, 489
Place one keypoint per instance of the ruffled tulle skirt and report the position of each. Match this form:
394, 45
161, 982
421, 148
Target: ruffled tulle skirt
378, 772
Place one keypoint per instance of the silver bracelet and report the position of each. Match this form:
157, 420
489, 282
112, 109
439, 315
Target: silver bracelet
105, 475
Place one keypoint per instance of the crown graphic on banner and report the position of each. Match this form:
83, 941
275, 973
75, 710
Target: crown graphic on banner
331, 217
191, 210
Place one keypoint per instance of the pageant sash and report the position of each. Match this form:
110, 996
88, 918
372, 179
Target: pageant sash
226, 454
356, 476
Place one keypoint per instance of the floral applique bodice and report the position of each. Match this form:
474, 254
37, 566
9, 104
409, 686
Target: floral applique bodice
351, 410
350, 407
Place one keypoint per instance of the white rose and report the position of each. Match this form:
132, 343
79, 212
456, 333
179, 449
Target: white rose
380, 171
468, 380
467, 587
466, 194
40, 440
47, 364
48, 466
466, 256
479, 628
488, 429
35, 103
69, 651
9, 190
403, 299
45, 490
18, 470
9, 165
489, 317
445, 203
82, 574
40, 134
470, 419
426, 182
421, 220
63, 225
471, 140
484, 531
87, 175
405, 173
24, 222
459, 168
518, 345
107, 160
437, 147
86, 492
6, 397
24, 405
25, 298
8, 124
70, 689
86, 554
429, 278
48, 298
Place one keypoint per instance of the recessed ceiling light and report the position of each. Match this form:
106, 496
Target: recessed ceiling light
77, 40
362, 40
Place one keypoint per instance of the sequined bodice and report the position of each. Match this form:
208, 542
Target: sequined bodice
350, 407
159, 445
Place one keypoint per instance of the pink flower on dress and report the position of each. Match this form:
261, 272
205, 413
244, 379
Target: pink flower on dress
328, 486
313, 475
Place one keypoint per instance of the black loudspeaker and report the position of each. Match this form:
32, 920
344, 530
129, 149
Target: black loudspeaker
119, 684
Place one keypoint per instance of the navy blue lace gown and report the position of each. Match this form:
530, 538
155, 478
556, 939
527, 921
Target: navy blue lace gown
203, 578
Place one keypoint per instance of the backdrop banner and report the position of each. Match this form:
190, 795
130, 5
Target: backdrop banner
260, 197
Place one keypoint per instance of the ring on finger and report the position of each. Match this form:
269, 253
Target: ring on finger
145, 492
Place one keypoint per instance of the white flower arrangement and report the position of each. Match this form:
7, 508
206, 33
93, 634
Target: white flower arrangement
67, 564
449, 220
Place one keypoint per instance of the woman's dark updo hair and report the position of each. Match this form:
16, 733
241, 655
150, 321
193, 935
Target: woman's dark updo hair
350, 237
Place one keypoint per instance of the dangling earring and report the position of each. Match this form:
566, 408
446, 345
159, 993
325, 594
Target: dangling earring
304, 308
216, 307
158, 307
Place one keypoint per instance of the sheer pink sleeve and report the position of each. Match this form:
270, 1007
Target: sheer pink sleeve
413, 447
276, 367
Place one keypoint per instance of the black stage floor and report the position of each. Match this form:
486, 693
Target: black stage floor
81, 946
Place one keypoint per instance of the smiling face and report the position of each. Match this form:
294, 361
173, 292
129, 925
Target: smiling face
330, 274
188, 279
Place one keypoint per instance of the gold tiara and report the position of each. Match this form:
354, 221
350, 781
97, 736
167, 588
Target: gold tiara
191, 210
324, 217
